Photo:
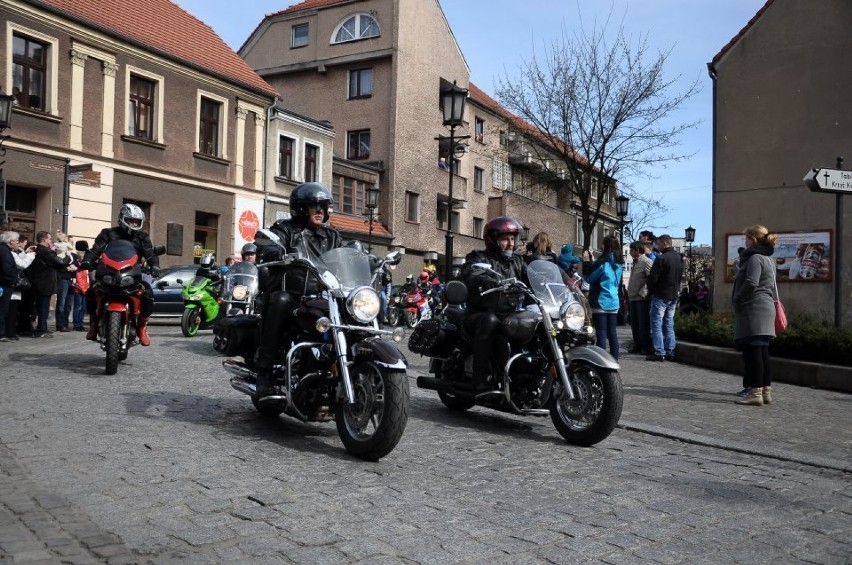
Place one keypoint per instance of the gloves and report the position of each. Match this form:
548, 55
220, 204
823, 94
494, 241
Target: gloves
155, 272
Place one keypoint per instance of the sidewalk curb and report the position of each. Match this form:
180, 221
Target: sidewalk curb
780, 454
803, 373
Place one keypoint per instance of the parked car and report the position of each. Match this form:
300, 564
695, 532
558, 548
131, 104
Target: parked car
168, 301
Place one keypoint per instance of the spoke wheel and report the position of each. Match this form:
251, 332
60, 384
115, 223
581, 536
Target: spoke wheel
190, 322
393, 316
371, 426
596, 409
410, 319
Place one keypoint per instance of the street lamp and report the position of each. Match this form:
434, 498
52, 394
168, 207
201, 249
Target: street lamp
372, 202
622, 205
452, 104
6, 102
689, 237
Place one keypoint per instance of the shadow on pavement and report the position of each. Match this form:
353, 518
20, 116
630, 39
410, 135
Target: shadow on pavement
679, 393
85, 363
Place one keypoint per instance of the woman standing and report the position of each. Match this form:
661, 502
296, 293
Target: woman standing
754, 313
604, 276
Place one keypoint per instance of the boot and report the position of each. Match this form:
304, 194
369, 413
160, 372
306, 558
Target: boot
94, 323
753, 398
142, 332
264, 383
767, 395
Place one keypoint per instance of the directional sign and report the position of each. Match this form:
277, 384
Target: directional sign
829, 180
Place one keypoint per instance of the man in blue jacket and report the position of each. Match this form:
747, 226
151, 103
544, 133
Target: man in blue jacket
664, 287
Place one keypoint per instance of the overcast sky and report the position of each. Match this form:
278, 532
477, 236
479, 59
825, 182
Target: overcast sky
497, 36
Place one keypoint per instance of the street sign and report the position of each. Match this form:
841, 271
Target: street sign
829, 180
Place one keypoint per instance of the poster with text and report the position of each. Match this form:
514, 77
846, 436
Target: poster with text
799, 256
247, 215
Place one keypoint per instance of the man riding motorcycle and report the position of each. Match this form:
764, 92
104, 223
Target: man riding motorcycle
486, 311
130, 220
249, 253
207, 268
305, 235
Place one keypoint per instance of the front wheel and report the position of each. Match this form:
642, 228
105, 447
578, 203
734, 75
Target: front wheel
372, 426
190, 322
113, 341
393, 316
593, 414
410, 318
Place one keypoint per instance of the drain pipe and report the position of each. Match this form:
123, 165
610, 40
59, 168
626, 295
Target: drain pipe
269, 113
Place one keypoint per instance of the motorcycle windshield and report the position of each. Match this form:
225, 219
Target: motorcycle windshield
349, 266
546, 281
120, 250
241, 274
198, 282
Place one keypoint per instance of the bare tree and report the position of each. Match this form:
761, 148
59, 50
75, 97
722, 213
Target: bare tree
602, 110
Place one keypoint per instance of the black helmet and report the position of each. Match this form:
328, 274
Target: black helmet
500, 225
249, 249
306, 194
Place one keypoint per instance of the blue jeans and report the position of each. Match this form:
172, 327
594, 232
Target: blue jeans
64, 300
662, 326
5, 302
384, 297
42, 302
79, 310
606, 326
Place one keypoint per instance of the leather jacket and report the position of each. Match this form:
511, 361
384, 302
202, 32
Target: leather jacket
140, 239
478, 280
305, 242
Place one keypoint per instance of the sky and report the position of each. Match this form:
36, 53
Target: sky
498, 36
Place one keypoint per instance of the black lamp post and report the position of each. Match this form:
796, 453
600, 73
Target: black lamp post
622, 205
6, 102
689, 237
372, 202
452, 104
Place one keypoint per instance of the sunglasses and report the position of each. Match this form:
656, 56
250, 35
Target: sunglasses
316, 208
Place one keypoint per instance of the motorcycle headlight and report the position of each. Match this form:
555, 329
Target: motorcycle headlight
363, 304
127, 280
239, 292
195, 297
108, 279
572, 315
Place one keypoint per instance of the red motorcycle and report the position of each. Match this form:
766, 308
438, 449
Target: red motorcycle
413, 302
118, 288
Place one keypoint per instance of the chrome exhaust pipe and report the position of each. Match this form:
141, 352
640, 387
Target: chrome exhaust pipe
238, 368
243, 386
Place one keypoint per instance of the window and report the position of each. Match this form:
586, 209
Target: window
441, 217
580, 239
205, 234
478, 227
360, 83
479, 130
208, 134
311, 153
349, 194
140, 110
455, 165
412, 207
285, 157
478, 175
299, 35
358, 143
29, 72
605, 190
359, 26
594, 188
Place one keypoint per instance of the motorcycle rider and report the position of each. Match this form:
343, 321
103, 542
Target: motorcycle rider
303, 234
487, 311
249, 253
130, 220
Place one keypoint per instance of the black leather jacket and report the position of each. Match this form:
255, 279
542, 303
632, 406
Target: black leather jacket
306, 242
140, 239
478, 280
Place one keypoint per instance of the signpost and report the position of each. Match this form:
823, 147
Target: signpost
839, 182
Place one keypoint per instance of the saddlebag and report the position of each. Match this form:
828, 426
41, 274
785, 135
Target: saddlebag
434, 338
237, 335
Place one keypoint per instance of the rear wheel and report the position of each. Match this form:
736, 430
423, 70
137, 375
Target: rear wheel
371, 426
410, 318
190, 322
393, 316
593, 414
113, 341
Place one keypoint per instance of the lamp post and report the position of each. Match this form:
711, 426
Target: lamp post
6, 101
622, 205
452, 105
689, 237
372, 202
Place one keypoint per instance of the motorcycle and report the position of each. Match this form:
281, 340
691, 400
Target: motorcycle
118, 288
239, 288
553, 368
396, 306
336, 366
413, 301
201, 306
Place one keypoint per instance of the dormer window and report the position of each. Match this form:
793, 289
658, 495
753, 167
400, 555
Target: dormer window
359, 26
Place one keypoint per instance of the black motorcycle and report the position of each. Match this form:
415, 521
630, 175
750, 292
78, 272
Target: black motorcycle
336, 365
551, 368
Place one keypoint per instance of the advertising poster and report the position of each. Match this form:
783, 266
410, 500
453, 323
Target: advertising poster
799, 256
247, 216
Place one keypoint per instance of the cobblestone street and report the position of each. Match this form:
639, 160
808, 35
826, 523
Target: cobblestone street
164, 462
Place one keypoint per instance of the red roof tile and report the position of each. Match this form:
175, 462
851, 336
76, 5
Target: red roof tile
165, 27
742, 32
354, 224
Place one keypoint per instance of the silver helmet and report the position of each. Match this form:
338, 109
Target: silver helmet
131, 217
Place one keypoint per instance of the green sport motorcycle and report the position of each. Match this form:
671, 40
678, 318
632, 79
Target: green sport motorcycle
201, 305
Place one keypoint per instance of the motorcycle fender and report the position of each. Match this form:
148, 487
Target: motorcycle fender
384, 354
116, 307
593, 355
190, 305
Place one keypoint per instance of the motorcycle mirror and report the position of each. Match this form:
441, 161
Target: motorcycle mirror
159, 250
483, 266
393, 258
267, 237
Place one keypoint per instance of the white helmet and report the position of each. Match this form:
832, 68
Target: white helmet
207, 260
131, 217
